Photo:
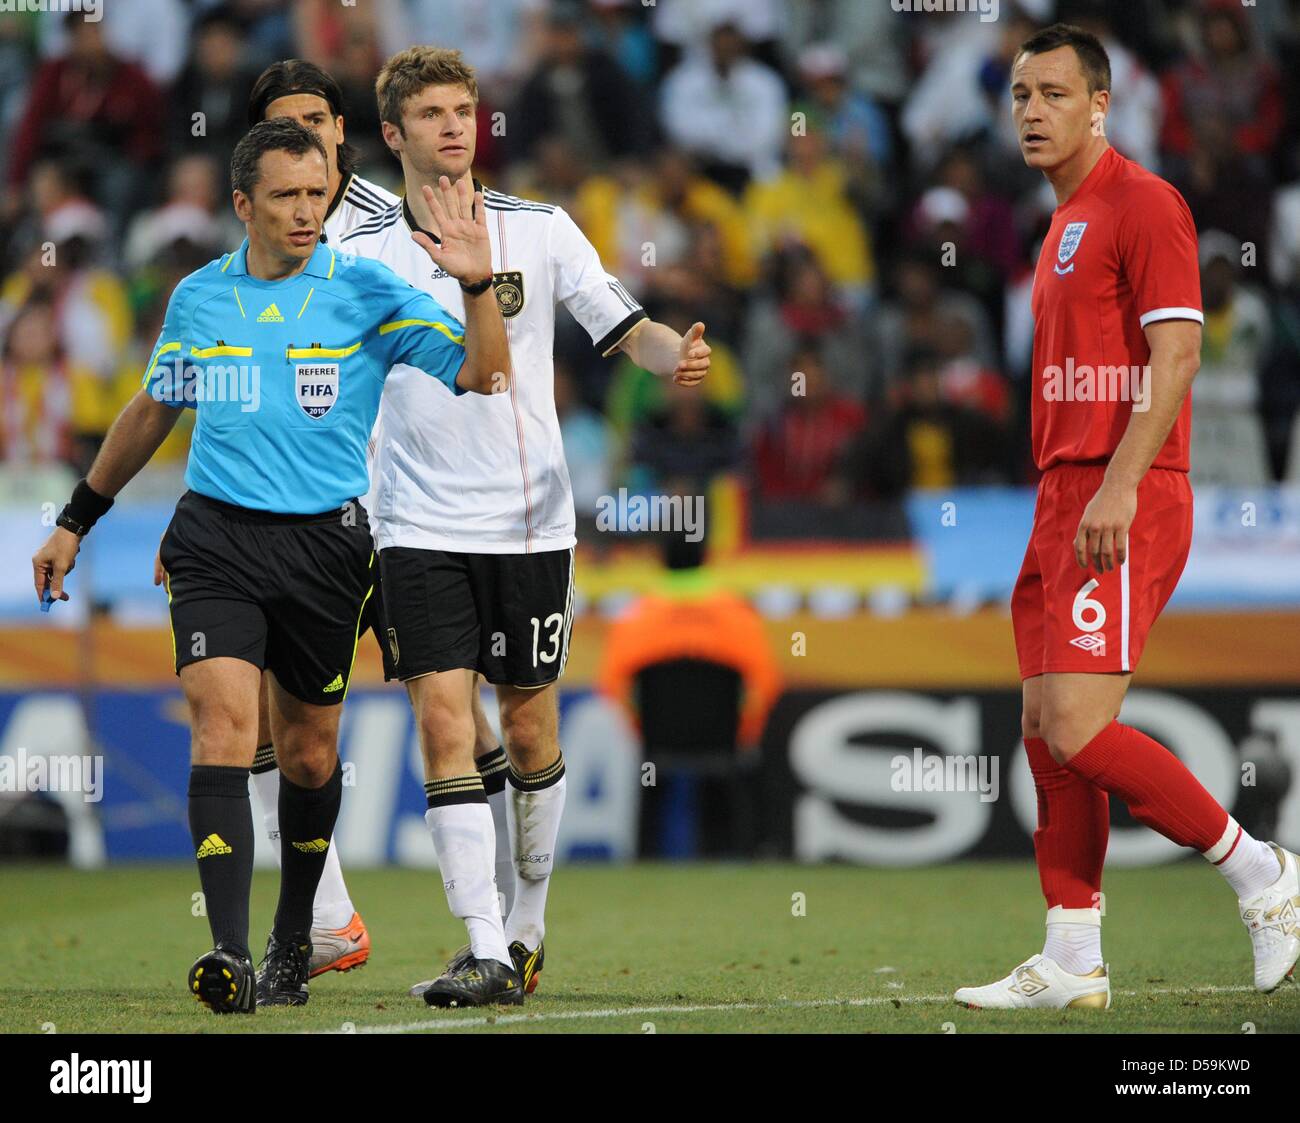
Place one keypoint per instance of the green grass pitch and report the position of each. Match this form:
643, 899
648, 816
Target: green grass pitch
653, 948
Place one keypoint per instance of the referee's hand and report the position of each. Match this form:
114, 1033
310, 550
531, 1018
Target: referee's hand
54, 561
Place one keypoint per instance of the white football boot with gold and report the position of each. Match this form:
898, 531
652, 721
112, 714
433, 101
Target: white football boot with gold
1271, 919
1040, 983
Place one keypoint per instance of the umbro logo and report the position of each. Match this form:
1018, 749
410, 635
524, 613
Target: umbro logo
1090, 641
1029, 982
270, 315
337, 684
213, 845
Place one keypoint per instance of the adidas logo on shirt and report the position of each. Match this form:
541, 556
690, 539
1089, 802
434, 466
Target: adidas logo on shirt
270, 315
212, 845
337, 684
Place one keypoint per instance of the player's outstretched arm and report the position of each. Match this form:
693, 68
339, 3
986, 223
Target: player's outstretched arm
657, 348
465, 252
140, 428
1102, 537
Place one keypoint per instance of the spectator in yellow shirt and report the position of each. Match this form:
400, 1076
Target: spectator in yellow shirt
52, 410
808, 203
656, 207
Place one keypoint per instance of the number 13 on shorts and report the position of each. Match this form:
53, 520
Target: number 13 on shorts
550, 632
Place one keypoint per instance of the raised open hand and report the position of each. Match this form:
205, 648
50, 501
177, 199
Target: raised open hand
458, 212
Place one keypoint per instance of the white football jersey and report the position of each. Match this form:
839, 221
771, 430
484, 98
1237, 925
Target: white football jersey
359, 202
485, 473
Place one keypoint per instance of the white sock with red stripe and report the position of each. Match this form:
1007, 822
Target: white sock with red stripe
1250, 865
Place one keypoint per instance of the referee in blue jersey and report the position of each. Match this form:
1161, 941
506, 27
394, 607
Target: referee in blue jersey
282, 347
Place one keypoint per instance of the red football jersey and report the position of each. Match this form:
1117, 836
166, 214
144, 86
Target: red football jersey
1121, 253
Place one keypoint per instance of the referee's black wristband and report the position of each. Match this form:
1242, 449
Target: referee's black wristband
477, 289
84, 509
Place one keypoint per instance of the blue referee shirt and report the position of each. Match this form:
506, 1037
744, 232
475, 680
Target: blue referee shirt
286, 375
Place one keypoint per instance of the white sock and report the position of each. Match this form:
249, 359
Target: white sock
1250, 865
534, 817
1074, 939
493, 768
332, 907
505, 866
267, 785
463, 842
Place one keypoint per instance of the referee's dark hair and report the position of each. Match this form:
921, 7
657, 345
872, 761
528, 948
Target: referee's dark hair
1093, 59
298, 76
280, 134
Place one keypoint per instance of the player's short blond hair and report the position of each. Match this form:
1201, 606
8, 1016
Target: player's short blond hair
410, 71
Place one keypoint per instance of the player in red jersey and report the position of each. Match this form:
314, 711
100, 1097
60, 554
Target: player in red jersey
1117, 339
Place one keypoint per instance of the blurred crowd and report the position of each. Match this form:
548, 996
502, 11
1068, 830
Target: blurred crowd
832, 186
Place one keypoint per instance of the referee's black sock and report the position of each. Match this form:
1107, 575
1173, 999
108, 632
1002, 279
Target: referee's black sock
221, 826
307, 817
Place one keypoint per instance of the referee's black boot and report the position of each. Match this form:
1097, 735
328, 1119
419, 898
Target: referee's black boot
480, 982
223, 981
282, 974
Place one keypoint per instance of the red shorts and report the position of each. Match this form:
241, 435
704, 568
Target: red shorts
1068, 619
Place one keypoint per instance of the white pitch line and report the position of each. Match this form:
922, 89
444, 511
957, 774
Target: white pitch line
636, 1011
454, 1023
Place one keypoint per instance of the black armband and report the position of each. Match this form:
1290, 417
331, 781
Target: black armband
83, 510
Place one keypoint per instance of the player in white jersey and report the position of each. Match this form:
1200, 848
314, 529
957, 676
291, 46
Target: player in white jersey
478, 573
303, 91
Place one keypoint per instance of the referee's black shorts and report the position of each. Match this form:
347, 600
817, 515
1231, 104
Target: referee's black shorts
507, 616
283, 592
